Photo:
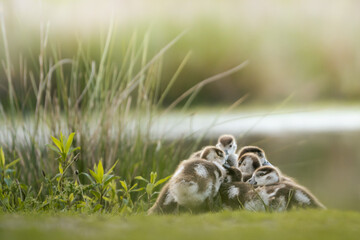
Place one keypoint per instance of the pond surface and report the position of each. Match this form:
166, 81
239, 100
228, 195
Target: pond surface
260, 122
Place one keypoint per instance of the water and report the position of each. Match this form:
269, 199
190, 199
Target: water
247, 123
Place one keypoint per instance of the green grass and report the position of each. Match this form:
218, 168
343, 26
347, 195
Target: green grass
309, 224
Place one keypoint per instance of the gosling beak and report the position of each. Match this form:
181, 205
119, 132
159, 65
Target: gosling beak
267, 163
226, 165
252, 181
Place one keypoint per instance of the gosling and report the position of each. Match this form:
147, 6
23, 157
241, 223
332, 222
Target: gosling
281, 195
264, 162
197, 181
248, 163
227, 143
233, 174
165, 203
256, 150
194, 184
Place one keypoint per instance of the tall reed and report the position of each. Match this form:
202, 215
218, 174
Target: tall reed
110, 106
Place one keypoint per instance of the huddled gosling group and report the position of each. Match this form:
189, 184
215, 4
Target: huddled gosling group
243, 180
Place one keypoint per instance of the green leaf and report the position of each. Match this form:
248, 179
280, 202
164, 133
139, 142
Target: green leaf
12, 163
108, 179
123, 184
8, 181
81, 204
141, 178
137, 190
89, 177
71, 197
112, 168
57, 143
106, 199
2, 158
95, 193
88, 198
52, 147
162, 180
24, 187
149, 188
69, 142
62, 140
100, 171
95, 176
74, 149
153, 176
134, 186
97, 207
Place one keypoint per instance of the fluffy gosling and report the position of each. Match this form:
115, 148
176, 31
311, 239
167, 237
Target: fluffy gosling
256, 150
248, 163
227, 143
282, 194
194, 184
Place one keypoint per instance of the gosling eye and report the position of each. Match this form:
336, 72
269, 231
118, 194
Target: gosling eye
230, 145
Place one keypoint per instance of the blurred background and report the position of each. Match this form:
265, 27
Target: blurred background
303, 57
308, 48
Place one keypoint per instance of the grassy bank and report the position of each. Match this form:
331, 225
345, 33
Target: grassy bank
224, 225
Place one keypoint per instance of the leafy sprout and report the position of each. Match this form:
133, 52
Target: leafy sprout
5, 169
101, 180
63, 147
152, 184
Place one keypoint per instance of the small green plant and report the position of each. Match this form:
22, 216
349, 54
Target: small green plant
101, 182
5, 169
65, 152
126, 201
152, 184
12, 192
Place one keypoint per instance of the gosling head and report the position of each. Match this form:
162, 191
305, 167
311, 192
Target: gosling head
256, 150
227, 143
265, 175
213, 154
248, 163
233, 174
